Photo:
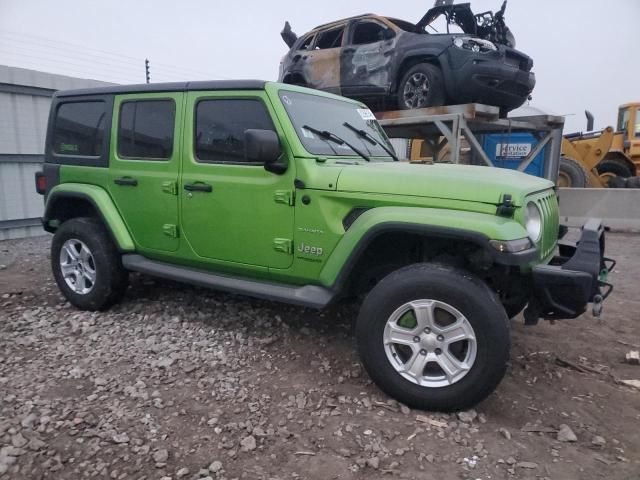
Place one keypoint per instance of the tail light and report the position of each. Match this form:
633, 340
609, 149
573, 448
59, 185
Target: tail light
41, 183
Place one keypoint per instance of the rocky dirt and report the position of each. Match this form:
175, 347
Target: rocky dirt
181, 383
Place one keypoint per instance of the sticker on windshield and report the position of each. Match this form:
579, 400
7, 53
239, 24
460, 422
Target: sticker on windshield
286, 100
366, 114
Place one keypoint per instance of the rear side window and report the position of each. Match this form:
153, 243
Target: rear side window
220, 127
306, 43
79, 129
145, 129
330, 38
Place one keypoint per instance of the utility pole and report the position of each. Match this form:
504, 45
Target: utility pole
146, 69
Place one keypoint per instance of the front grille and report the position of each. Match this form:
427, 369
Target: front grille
547, 202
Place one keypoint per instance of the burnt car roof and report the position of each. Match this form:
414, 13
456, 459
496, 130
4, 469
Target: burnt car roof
343, 20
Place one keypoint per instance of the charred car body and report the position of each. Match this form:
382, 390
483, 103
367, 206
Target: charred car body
390, 63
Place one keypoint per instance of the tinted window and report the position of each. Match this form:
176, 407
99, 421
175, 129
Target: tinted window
220, 127
330, 38
79, 129
368, 32
145, 129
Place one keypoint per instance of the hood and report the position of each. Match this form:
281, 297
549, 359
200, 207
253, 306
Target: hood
488, 25
446, 181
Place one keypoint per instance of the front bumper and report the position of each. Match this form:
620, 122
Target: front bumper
484, 79
573, 279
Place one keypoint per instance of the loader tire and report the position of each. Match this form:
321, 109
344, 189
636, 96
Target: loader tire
572, 174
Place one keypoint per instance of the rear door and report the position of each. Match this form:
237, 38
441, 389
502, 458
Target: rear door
322, 68
144, 165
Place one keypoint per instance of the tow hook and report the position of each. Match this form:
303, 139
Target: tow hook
596, 308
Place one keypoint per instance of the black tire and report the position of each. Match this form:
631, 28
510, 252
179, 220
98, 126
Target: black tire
633, 182
572, 174
111, 279
435, 95
456, 288
615, 166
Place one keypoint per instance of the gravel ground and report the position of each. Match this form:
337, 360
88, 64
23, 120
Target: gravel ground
182, 383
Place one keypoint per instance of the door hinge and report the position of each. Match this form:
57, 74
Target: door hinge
284, 245
170, 230
170, 187
284, 196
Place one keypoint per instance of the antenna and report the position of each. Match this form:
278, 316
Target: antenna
146, 69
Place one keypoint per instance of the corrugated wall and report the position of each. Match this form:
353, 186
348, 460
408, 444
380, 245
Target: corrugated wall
25, 98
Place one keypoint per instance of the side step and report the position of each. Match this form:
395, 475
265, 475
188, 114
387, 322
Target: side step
307, 296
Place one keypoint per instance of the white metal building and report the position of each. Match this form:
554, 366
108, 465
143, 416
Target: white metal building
25, 97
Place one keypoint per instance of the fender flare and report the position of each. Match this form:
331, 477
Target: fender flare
373, 223
102, 204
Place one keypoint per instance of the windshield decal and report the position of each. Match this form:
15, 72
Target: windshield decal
366, 114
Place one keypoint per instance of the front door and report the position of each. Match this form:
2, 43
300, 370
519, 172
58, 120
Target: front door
367, 59
144, 165
232, 210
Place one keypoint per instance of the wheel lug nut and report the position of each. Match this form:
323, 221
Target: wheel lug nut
438, 351
427, 330
423, 352
440, 338
416, 339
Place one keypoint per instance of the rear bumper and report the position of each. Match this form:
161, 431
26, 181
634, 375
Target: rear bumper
573, 279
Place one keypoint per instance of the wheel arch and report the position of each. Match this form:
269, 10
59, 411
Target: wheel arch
373, 227
414, 59
72, 201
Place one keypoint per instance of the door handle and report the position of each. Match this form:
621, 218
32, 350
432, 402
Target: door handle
198, 187
126, 181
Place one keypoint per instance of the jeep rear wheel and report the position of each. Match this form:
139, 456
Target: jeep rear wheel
86, 265
434, 337
421, 87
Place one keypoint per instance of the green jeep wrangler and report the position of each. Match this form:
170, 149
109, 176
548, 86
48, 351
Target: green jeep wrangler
295, 195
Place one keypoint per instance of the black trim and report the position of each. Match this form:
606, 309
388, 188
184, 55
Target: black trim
167, 87
311, 296
352, 216
501, 258
563, 288
46, 217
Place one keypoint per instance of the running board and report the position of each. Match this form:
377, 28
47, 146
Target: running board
307, 296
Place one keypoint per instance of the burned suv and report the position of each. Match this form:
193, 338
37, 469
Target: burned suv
390, 63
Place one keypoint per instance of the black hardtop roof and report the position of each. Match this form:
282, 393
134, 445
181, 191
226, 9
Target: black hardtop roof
167, 87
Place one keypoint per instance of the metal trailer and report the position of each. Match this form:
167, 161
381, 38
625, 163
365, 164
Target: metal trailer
452, 127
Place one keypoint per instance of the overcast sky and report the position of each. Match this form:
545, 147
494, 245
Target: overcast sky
585, 51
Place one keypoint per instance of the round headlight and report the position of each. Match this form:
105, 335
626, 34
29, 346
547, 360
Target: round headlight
534, 221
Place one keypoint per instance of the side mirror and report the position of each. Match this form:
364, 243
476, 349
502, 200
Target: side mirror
263, 146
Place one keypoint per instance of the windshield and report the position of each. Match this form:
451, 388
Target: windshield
328, 114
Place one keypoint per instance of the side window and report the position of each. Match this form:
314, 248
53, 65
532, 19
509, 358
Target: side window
79, 128
306, 43
220, 127
145, 129
330, 38
368, 32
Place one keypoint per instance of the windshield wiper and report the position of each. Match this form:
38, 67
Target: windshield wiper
364, 134
327, 135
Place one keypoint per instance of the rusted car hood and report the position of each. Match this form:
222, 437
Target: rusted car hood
455, 182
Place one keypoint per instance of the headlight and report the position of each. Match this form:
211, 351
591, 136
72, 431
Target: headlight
477, 45
534, 221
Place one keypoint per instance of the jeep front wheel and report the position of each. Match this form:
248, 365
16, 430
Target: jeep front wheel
86, 265
434, 337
